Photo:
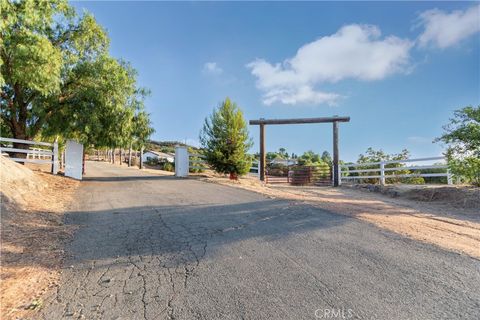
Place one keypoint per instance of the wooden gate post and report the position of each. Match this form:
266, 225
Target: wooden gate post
262, 152
336, 178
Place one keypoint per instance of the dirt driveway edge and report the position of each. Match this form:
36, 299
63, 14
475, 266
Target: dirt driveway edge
448, 227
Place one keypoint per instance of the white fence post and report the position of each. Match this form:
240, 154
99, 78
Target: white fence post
382, 173
339, 175
181, 161
55, 162
449, 177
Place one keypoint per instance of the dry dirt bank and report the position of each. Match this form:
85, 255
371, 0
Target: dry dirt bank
32, 235
439, 219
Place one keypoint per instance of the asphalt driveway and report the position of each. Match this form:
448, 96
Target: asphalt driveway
156, 247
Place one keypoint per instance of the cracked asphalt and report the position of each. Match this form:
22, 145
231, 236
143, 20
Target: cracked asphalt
157, 247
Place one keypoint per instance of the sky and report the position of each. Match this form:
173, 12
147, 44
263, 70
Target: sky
398, 69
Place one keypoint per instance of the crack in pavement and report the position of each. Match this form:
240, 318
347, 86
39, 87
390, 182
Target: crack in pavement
182, 249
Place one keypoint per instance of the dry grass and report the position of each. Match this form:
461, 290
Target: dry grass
442, 223
32, 236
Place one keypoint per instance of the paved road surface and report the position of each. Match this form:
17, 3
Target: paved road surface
154, 247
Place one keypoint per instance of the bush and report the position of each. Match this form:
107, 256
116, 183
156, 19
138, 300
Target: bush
167, 166
466, 170
462, 135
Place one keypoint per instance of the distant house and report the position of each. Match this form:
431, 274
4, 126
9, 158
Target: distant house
285, 162
157, 155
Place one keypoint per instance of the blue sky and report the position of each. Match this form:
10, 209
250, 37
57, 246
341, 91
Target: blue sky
397, 69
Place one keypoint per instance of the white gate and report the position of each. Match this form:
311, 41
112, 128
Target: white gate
73, 160
181, 161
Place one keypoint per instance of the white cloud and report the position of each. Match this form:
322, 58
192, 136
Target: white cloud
353, 52
303, 95
212, 68
447, 29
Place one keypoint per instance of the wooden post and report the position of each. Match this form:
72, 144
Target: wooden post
336, 178
120, 156
141, 158
262, 152
130, 155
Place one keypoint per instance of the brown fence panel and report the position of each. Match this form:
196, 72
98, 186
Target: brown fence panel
301, 176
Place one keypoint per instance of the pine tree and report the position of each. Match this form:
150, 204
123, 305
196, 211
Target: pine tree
225, 140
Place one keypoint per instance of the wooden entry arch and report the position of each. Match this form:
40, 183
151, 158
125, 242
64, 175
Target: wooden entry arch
334, 120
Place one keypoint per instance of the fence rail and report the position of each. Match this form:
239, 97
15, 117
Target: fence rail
197, 161
381, 170
197, 164
33, 155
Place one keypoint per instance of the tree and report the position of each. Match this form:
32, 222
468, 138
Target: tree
327, 158
58, 78
142, 129
225, 140
372, 155
283, 153
462, 135
309, 158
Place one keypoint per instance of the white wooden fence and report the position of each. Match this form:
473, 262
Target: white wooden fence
34, 155
380, 171
197, 161
255, 169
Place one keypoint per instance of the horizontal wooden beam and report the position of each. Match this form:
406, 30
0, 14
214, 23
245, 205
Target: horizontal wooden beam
300, 120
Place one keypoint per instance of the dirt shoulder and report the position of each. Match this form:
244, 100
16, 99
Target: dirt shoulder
32, 236
445, 223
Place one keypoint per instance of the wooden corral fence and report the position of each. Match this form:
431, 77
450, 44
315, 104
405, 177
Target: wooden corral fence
300, 175
355, 172
34, 154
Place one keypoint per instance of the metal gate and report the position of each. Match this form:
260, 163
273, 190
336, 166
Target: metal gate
299, 175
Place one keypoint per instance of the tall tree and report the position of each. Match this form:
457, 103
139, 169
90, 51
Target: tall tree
58, 79
225, 140
142, 129
43, 46
462, 135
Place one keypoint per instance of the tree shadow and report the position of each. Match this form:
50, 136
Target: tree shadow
130, 178
182, 234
